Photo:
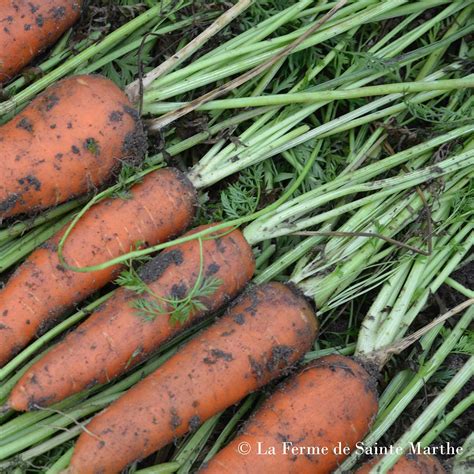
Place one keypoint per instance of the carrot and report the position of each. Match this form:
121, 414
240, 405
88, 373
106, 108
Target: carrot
68, 141
41, 289
245, 349
29, 27
332, 400
409, 464
117, 336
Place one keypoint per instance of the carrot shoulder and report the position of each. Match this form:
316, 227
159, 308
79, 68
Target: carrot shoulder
41, 289
409, 464
28, 27
118, 336
68, 141
264, 333
331, 401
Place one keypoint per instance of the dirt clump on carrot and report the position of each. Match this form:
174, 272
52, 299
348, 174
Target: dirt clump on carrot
409, 464
29, 27
42, 289
187, 387
119, 335
68, 141
330, 401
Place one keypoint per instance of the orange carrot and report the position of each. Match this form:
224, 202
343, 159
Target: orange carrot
29, 27
41, 289
68, 141
409, 464
331, 401
117, 336
245, 349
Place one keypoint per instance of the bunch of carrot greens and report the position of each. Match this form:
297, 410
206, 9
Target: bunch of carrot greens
352, 153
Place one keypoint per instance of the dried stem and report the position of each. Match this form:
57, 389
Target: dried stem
381, 356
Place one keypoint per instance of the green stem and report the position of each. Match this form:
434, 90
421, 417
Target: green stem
294, 254
254, 58
411, 8
455, 285
322, 289
61, 463
397, 321
28, 423
399, 404
47, 445
321, 96
265, 228
429, 415
26, 244
285, 222
178, 57
446, 420
265, 256
116, 53
163, 468
395, 386
19, 228
193, 446
369, 218
202, 176
418, 304
224, 434
289, 258
233, 47
346, 350
434, 57
386, 298
57, 421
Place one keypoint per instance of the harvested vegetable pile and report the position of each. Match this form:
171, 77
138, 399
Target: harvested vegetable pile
236, 237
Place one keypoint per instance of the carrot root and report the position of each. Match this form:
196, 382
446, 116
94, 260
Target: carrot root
244, 350
118, 336
41, 289
30, 27
330, 401
68, 141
